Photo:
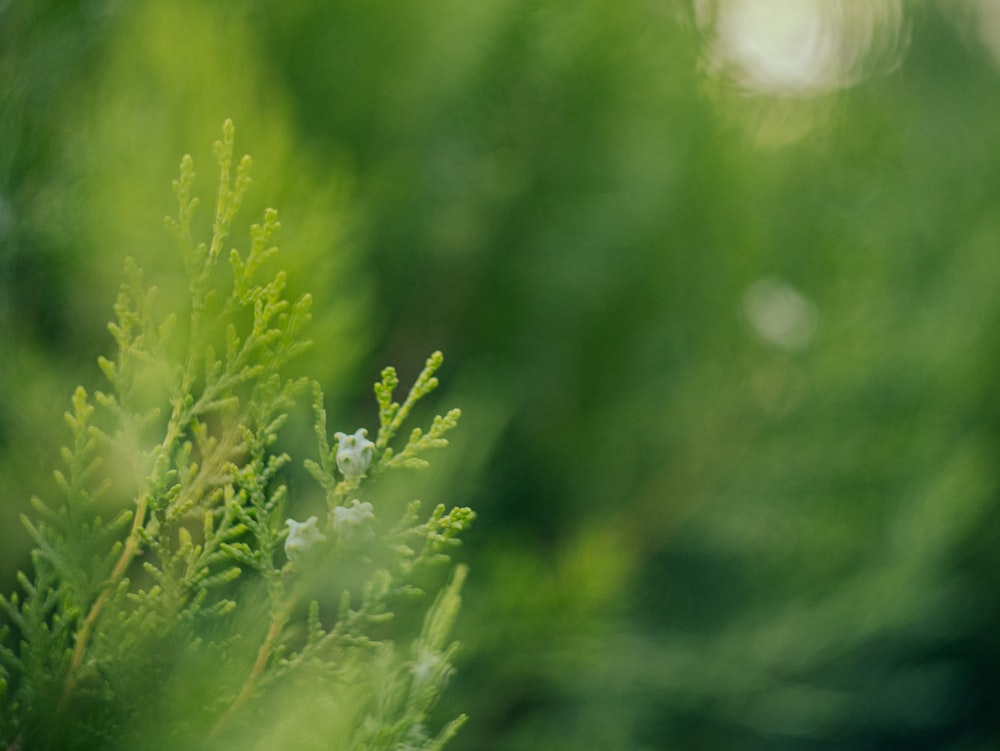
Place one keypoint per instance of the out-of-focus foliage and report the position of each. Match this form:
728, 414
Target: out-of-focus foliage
728, 332
93, 134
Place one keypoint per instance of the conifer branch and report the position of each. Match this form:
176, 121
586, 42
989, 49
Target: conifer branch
187, 433
264, 652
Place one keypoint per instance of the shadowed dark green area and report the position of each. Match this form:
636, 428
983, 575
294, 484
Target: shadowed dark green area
689, 537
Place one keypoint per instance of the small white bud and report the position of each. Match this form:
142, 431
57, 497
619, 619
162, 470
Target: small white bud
354, 453
301, 537
430, 669
353, 524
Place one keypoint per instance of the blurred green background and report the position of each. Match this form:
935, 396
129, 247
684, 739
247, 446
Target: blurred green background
718, 283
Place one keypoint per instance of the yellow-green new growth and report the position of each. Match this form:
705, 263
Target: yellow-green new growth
392, 415
195, 585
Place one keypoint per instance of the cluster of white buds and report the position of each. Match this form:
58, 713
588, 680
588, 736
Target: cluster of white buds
352, 523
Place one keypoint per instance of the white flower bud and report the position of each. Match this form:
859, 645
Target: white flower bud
301, 537
353, 524
426, 669
354, 453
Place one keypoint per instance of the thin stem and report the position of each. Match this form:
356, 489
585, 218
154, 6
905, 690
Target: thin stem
128, 554
121, 566
278, 622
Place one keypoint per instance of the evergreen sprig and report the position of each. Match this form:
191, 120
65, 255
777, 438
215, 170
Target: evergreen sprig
166, 560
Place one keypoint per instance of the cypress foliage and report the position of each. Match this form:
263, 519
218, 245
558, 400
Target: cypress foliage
170, 602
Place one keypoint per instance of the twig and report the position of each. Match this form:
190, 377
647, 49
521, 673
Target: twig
263, 655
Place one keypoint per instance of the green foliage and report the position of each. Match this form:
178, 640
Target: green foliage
169, 603
696, 539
